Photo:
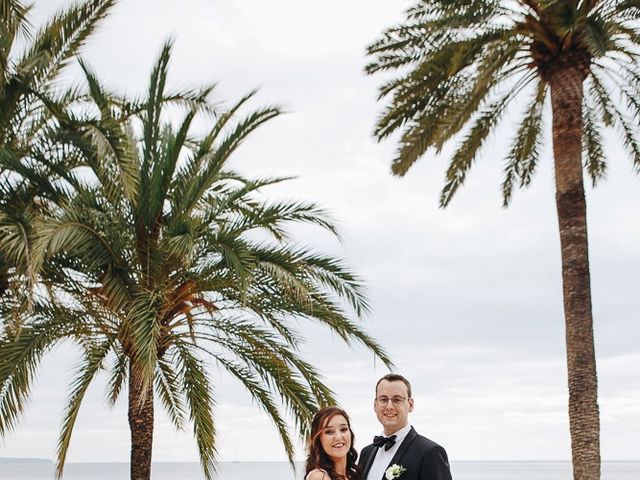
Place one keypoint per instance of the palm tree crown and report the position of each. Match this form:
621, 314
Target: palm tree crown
464, 62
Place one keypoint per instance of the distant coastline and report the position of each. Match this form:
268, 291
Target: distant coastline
24, 460
40, 469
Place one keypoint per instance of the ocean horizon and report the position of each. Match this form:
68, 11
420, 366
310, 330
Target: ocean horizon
15, 469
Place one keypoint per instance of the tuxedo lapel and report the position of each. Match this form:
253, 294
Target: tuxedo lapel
368, 461
404, 447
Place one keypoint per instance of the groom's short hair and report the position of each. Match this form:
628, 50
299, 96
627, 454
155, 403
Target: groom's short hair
395, 377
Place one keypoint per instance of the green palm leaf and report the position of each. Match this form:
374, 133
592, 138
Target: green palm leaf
87, 370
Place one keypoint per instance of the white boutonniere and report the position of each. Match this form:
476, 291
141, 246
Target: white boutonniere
394, 471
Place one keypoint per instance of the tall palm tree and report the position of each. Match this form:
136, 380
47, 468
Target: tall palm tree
461, 64
161, 259
28, 153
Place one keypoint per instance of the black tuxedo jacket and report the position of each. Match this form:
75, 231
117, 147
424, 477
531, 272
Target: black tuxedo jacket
422, 459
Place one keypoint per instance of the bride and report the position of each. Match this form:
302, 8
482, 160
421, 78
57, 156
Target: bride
331, 452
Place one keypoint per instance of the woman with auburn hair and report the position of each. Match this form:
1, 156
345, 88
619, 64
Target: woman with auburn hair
332, 455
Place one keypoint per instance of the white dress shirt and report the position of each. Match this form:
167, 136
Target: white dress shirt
383, 457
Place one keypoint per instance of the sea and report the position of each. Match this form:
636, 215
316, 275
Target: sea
539, 470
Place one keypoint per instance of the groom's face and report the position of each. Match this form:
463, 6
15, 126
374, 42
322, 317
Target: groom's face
392, 405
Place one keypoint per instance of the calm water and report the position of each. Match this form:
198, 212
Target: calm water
282, 471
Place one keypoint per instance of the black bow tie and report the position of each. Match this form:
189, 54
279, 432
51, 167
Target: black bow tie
388, 442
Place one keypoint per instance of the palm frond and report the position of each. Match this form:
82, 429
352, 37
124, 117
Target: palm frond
143, 331
169, 390
72, 234
153, 124
164, 168
592, 145
56, 43
194, 164
118, 375
263, 397
87, 370
115, 156
468, 149
22, 352
200, 402
525, 151
209, 174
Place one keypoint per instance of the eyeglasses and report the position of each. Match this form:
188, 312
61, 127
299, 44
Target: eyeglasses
396, 401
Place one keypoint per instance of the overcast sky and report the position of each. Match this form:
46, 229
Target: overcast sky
466, 300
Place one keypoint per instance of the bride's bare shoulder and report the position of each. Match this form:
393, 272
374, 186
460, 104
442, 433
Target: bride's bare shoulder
317, 474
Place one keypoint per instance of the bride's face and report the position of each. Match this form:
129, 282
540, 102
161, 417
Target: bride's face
336, 437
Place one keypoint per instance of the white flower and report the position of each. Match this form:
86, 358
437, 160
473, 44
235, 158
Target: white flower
394, 471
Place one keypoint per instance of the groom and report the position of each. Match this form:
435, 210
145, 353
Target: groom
401, 449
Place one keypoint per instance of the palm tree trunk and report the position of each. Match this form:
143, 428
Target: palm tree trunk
141, 425
584, 418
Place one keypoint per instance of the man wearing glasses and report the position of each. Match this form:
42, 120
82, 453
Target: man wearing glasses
400, 453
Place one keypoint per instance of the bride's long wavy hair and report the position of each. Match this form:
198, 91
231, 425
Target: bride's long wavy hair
318, 458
